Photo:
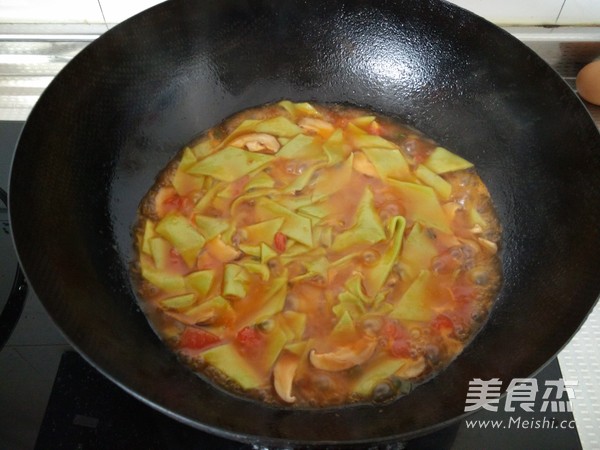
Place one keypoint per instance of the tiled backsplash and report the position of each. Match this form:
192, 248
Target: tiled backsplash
109, 12
513, 12
55, 11
580, 12
116, 11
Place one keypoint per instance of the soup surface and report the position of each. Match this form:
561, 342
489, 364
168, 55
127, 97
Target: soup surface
316, 255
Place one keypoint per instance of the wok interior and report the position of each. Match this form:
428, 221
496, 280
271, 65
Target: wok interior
114, 117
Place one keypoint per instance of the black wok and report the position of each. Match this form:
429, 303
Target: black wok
122, 108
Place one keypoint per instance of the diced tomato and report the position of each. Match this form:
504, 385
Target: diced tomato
176, 262
420, 157
280, 241
249, 336
389, 330
463, 292
392, 330
177, 203
398, 340
341, 122
445, 263
442, 322
174, 256
196, 338
238, 185
249, 339
400, 348
375, 128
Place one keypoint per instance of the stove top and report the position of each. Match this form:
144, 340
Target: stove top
77, 407
86, 410
56, 400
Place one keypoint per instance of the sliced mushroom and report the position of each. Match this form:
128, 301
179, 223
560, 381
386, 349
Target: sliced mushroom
316, 126
361, 164
412, 368
283, 376
476, 229
344, 357
450, 209
490, 246
470, 246
258, 142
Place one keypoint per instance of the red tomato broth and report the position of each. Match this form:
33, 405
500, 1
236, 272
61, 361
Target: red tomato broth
331, 316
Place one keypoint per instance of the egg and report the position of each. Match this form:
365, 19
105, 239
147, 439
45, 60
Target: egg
588, 82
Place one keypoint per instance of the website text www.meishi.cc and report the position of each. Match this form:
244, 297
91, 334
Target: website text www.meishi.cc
521, 423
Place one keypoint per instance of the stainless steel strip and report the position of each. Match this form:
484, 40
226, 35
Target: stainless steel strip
28, 63
50, 37
26, 56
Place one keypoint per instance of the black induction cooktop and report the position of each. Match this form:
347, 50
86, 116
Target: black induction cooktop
13, 289
87, 411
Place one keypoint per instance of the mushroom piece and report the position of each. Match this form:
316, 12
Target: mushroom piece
344, 357
476, 229
412, 368
316, 126
361, 164
283, 376
490, 246
258, 142
451, 208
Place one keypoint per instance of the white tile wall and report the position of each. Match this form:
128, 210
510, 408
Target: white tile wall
50, 11
515, 12
580, 12
116, 11
503, 12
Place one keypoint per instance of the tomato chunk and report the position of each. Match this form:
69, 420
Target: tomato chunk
442, 322
175, 258
196, 338
176, 203
249, 339
398, 340
375, 128
238, 185
280, 241
464, 292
